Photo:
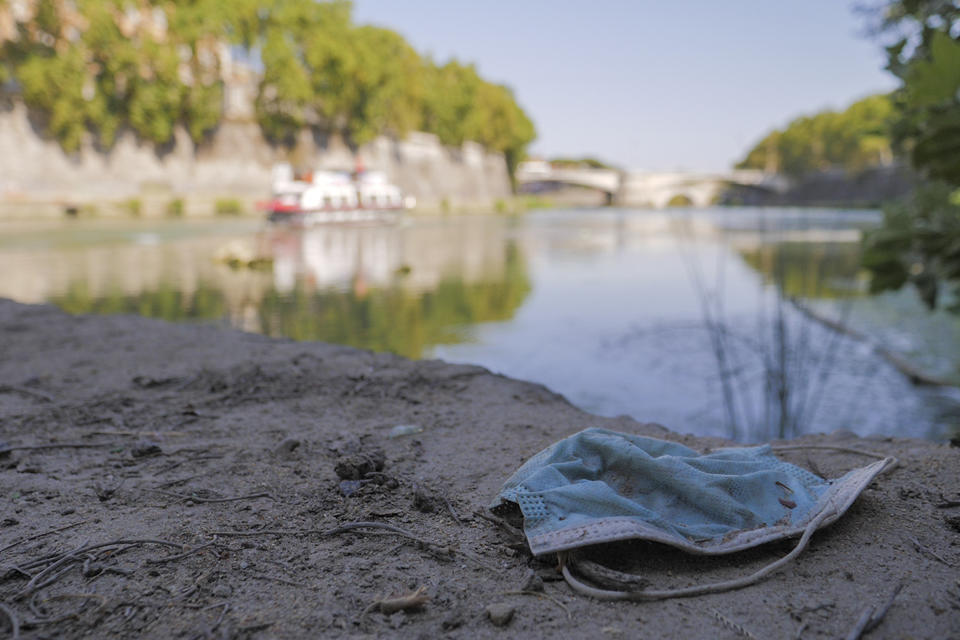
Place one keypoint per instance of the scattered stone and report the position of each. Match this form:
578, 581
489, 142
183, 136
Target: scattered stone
222, 591
146, 382
425, 502
145, 448
404, 430
356, 466
105, 492
9, 522
533, 582
500, 613
287, 449
953, 522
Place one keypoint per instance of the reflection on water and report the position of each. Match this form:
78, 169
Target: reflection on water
387, 288
671, 317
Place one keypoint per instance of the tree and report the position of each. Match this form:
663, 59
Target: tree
919, 242
99, 66
853, 140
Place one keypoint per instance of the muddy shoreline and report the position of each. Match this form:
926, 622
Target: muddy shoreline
239, 458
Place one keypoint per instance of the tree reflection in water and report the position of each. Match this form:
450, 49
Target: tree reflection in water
347, 286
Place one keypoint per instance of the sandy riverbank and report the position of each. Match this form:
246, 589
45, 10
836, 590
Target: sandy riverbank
192, 430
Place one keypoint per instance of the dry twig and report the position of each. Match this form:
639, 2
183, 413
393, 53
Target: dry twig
861, 624
194, 498
362, 527
14, 621
58, 445
33, 393
928, 551
185, 554
405, 602
41, 535
733, 626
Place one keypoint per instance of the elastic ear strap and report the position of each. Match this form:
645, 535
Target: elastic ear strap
566, 560
891, 461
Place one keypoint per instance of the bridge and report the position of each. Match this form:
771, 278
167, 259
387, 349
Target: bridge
655, 189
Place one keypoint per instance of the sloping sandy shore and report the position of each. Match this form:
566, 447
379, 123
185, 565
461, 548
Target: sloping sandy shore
173, 433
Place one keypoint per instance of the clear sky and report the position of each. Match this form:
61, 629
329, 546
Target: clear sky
655, 85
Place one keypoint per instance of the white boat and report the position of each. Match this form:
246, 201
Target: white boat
324, 197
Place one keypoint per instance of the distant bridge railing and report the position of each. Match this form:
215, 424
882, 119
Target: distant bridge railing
652, 188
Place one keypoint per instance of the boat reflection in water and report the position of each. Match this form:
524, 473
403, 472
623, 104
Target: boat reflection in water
400, 288
323, 197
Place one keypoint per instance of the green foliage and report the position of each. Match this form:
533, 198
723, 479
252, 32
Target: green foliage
228, 207
926, 58
587, 161
527, 202
133, 206
458, 105
176, 208
101, 66
853, 140
391, 318
931, 105
807, 270
919, 243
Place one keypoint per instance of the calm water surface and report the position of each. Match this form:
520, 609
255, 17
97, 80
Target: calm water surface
687, 318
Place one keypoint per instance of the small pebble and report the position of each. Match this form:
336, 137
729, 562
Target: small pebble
953, 522
404, 430
288, 448
222, 591
500, 613
145, 448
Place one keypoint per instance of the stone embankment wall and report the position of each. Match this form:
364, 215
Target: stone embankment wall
38, 178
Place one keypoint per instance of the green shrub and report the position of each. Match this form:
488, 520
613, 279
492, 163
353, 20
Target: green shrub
134, 207
175, 208
228, 207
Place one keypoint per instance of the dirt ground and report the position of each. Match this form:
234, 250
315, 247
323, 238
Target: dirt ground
188, 436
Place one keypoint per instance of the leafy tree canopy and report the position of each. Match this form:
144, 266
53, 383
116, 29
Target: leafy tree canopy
100, 65
919, 242
852, 140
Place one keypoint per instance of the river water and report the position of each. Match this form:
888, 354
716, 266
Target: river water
699, 320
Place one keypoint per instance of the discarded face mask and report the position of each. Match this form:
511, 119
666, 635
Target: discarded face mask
601, 486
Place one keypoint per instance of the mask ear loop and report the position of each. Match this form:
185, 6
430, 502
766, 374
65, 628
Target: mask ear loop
568, 560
